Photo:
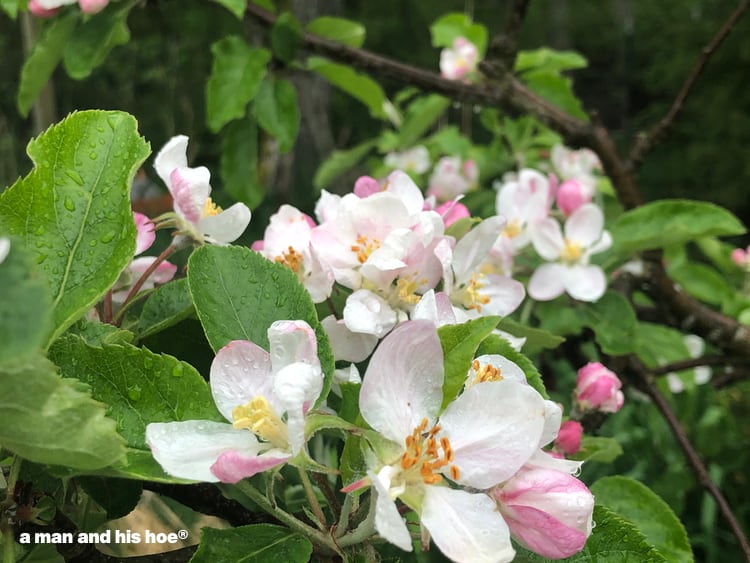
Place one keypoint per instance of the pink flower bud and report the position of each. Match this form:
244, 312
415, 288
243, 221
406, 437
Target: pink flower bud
92, 6
740, 257
598, 388
452, 211
365, 186
40, 11
569, 437
144, 232
547, 511
571, 195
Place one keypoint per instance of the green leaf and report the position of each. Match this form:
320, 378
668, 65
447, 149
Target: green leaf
51, 420
421, 114
357, 85
165, 307
236, 75
277, 112
535, 338
339, 162
642, 507
10, 7
286, 37
237, 7
74, 209
549, 60
460, 343
657, 344
556, 89
117, 496
25, 305
97, 334
258, 543
44, 57
458, 24
702, 282
137, 385
613, 540
671, 221
618, 337
495, 344
239, 162
89, 46
598, 448
338, 29
238, 294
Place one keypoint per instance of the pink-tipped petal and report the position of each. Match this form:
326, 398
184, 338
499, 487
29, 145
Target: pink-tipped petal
190, 188
227, 226
240, 371
92, 6
172, 155
144, 232
233, 466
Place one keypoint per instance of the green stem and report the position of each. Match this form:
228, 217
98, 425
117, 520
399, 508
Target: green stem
9, 555
6, 530
312, 499
364, 530
323, 541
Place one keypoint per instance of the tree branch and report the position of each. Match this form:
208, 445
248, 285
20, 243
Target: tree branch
646, 141
698, 362
503, 48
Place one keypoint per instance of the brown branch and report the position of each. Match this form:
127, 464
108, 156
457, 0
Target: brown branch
646, 384
729, 378
698, 362
503, 49
646, 141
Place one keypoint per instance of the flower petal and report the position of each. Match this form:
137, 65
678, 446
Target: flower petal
295, 387
547, 282
189, 448
493, 428
474, 246
348, 346
172, 155
240, 371
404, 381
190, 188
585, 225
227, 226
465, 526
144, 232
585, 283
388, 521
291, 342
546, 236
232, 466
369, 313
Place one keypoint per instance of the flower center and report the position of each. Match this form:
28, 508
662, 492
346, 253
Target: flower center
364, 248
259, 417
211, 209
472, 299
512, 229
291, 259
423, 456
485, 373
406, 288
572, 251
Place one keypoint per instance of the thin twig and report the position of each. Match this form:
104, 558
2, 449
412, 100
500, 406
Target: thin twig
698, 362
646, 384
646, 141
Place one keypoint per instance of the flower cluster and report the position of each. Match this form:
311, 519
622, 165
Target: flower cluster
460, 61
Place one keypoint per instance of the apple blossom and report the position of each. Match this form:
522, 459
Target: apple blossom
569, 437
523, 202
598, 388
572, 194
452, 211
459, 61
195, 214
548, 511
575, 164
452, 177
482, 438
416, 160
741, 257
570, 272
264, 397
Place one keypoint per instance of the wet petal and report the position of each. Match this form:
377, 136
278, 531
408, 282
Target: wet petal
233, 466
585, 225
172, 155
227, 226
240, 371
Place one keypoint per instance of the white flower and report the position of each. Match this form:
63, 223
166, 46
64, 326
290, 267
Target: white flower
197, 215
482, 438
416, 160
264, 397
460, 60
571, 272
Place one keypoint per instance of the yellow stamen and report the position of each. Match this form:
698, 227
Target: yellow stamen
211, 209
485, 373
423, 450
259, 417
406, 289
473, 299
364, 248
572, 251
291, 259
512, 229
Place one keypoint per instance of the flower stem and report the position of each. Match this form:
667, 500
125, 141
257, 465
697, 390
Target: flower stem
346, 509
312, 499
166, 253
323, 541
5, 527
